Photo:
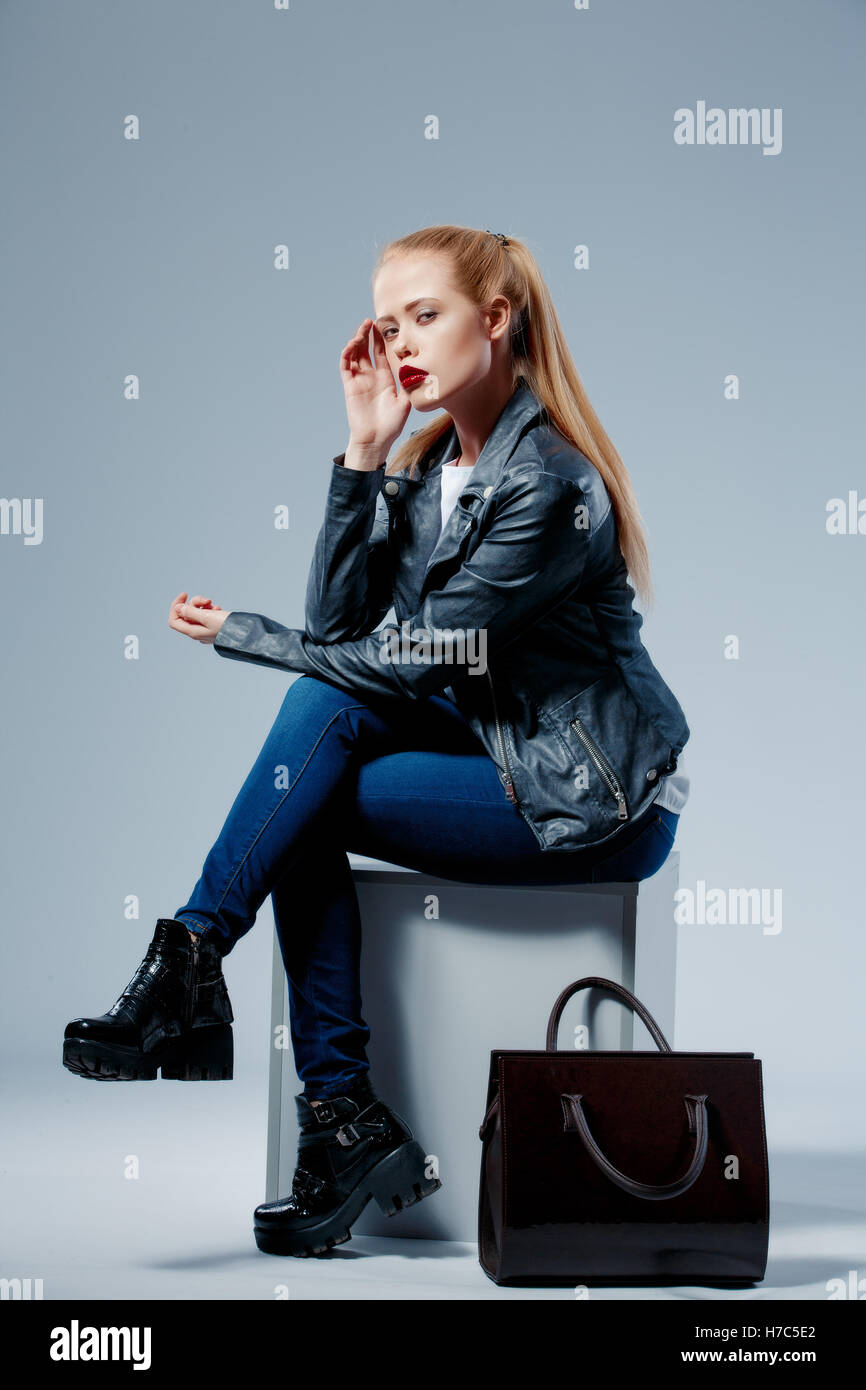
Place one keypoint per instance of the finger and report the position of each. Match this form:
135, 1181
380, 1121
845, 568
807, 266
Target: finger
356, 356
351, 348
380, 356
175, 603
364, 354
188, 626
188, 629
190, 613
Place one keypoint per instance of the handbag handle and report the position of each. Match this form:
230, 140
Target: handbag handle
599, 982
589, 981
575, 1120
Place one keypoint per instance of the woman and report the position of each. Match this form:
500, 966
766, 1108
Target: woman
503, 533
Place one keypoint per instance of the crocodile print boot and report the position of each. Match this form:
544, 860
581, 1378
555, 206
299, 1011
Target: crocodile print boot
350, 1149
174, 1014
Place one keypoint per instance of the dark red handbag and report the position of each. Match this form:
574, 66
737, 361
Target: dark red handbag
623, 1167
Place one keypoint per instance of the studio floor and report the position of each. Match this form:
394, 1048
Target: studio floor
147, 1191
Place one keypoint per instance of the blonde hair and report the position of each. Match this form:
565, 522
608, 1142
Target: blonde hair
483, 267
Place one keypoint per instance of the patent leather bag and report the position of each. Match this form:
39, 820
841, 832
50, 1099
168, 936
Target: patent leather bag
623, 1167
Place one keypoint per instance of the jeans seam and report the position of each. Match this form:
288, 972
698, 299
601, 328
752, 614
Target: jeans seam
262, 828
203, 926
667, 834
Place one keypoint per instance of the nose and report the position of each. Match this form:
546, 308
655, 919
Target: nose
400, 347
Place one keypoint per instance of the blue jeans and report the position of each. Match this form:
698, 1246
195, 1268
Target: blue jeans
406, 782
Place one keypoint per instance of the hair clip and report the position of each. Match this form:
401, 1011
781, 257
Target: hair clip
501, 237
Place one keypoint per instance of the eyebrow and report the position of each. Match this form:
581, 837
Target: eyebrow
410, 305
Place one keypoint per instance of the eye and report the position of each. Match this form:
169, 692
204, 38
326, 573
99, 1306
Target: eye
425, 313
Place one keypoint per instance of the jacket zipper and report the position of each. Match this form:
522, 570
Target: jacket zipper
603, 766
505, 777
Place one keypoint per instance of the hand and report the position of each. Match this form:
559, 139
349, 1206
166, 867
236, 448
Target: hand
196, 617
377, 409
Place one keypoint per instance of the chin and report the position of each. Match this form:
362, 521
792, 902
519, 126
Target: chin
423, 402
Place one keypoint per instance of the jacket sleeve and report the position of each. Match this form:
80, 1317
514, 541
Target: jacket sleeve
531, 558
349, 585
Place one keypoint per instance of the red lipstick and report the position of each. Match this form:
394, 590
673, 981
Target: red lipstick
410, 376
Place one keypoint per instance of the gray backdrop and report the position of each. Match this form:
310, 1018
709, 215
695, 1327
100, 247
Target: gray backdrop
154, 257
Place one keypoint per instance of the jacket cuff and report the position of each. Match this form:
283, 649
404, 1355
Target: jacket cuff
352, 489
251, 637
353, 474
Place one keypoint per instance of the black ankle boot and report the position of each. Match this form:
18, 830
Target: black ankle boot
174, 1014
350, 1149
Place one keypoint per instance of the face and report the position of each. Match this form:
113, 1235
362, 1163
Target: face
429, 327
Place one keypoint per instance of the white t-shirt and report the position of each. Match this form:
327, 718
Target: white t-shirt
453, 482
675, 787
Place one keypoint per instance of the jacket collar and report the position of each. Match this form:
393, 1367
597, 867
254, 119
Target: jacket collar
519, 410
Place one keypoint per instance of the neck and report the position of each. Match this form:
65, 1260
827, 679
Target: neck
476, 411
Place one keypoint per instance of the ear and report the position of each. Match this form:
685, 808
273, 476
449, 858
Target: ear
497, 317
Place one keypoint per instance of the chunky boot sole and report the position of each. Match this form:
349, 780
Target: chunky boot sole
397, 1181
203, 1054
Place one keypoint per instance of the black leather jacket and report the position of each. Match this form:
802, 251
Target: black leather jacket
570, 707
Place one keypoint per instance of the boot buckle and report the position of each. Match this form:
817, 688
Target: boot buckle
324, 1112
342, 1135
305, 1184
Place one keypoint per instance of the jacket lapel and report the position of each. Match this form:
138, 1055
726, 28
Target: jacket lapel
521, 409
